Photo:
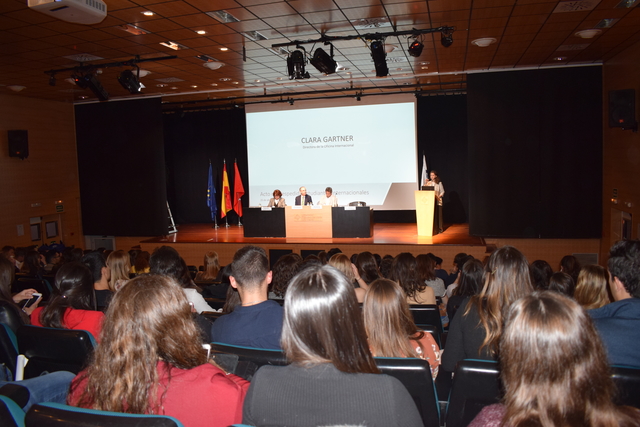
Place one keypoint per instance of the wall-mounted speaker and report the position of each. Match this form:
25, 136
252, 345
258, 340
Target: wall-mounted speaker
622, 109
18, 143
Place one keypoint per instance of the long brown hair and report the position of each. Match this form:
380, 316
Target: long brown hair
592, 287
74, 289
367, 267
211, 266
388, 322
551, 356
506, 280
404, 271
342, 263
323, 322
7, 275
119, 264
148, 320
426, 267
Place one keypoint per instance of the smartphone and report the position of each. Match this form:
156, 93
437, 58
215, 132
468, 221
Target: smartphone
35, 297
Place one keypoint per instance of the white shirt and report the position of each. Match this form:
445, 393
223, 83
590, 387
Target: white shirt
328, 201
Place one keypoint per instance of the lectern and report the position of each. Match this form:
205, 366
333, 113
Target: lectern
425, 208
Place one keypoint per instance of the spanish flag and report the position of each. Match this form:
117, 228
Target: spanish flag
226, 204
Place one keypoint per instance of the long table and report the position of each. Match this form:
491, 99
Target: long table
308, 221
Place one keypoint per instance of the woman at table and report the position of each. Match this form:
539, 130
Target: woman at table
277, 201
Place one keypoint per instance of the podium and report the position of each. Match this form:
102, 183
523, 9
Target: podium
425, 209
308, 221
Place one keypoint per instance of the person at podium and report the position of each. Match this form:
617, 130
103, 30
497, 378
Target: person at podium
277, 201
328, 199
438, 188
303, 199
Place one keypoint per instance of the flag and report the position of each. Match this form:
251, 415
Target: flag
425, 173
211, 195
225, 204
238, 190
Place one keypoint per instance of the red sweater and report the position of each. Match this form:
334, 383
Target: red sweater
198, 397
87, 320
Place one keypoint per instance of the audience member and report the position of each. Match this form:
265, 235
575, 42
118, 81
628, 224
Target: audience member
166, 260
101, 274
570, 265
458, 262
133, 254
73, 305
619, 322
562, 283
20, 254
150, 361
404, 271
141, 265
475, 334
551, 361
32, 265
452, 287
52, 258
333, 379
119, 268
211, 268
385, 267
343, 264
426, 271
390, 326
592, 289
541, 273
284, 269
367, 267
257, 322
7, 274
470, 279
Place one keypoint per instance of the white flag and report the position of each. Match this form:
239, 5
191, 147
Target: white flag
425, 173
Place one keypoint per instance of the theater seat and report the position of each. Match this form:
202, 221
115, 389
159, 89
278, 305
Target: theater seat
245, 361
57, 415
427, 314
8, 348
415, 375
627, 380
9, 316
52, 349
475, 385
11, 414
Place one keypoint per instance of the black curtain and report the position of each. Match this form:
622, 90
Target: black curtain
121, 168
192, 139
535, 153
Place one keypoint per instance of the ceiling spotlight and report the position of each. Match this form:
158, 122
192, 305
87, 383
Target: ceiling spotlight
89, 81
484, 42
446, 38
588, 34
130, 82
415, 48
295, 65
323, 61
379, 57
213, 65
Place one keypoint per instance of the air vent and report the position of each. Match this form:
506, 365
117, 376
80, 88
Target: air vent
132, 29
255, 36
369, 23
170, 80
566, 47
223, 16
575, 6
606, 23
83, 57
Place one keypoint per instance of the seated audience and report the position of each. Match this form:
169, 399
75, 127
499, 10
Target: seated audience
470, 280
332, 378
7, 275
570, 265
52, 258
72, 306
475, 331
166, 260
32, 265
541, 273
458, 262
562, 283
551, 361
385, 266
343, 264
257, 322
141, 265
101, 275
150, 361
592, 289
367, 267
404, 271
426, 271
211, 268
119, 267
390, 326
619, 322
284, 269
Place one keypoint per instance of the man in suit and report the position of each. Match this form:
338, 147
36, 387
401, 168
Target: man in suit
303, 198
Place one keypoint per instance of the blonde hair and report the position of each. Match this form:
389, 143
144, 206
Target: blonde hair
592, 287
211, 266
119, 264
342, 263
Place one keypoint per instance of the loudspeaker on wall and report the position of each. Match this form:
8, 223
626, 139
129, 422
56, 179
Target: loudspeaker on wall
622, 109
18, 143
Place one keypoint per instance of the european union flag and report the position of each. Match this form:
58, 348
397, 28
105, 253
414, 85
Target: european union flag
211, 195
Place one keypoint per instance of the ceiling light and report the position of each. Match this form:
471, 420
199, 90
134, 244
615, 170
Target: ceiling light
173, 87
296, 65
446, 38
16, 88
133, 29
161, 85
484, 42
588, 34
389, 48
194, 86
201, 32
560, 58
224, 49
143, 73
415, 48
379, 57
130, 82
213, 65
148, 13
225, 79
214, 84
323, 61
174, 45
223, 16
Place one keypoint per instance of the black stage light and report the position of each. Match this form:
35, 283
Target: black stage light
415, 48
379, 57
130, 82
295, 66
323, 61
446, 38
89, 81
